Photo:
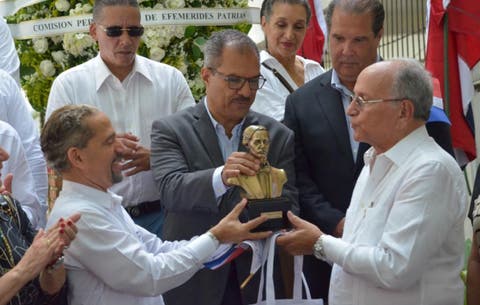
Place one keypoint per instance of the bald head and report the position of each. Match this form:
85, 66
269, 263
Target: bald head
407, 79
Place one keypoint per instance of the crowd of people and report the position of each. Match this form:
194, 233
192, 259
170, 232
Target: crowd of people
150, 177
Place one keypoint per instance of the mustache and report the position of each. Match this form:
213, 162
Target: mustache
241, 99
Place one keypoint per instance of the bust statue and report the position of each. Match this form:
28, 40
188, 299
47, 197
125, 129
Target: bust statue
269, 181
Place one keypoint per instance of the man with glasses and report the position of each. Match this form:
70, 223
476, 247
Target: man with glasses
327, 157
133, 91
195, 151
403, 238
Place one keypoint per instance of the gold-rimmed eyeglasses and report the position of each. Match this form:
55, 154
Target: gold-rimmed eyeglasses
237, 82
360, 101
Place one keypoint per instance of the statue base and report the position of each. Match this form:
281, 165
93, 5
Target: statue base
274, 208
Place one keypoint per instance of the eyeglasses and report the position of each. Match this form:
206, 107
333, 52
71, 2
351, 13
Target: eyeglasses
237, 83
116, 31
360, 101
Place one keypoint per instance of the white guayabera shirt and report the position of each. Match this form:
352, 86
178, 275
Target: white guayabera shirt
403, 240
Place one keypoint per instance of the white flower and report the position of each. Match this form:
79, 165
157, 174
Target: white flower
87, 8
47, 68
76, 44
81, 9
156, 36
179, 31
62, 5
40, 45
157, 53
57, 39
182, 66
158, 6
175, 3
59, 57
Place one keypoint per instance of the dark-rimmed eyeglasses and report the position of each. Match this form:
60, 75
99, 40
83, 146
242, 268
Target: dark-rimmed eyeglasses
237, 82
116, 31
360, 101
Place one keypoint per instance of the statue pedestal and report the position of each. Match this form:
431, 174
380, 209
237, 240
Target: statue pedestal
274, 208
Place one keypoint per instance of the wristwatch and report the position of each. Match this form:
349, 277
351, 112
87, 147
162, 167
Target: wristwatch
318, 250
55, 265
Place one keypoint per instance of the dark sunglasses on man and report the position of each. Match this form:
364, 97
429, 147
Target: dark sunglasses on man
116, 31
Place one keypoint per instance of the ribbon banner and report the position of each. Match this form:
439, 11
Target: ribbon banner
186, 16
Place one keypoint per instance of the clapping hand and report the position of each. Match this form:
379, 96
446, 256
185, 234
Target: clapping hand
136, 156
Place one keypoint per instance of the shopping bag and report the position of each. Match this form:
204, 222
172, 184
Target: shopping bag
299, 280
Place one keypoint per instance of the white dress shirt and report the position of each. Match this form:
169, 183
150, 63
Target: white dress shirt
227, 146
346, 96
152, 90
9, 60
270, 100
403, 241
13, 110
23, 186
113, 261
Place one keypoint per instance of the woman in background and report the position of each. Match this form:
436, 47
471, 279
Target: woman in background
284, 23
31, 266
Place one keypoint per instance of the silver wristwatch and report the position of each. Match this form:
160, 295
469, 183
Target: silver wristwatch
318, 250
55, 265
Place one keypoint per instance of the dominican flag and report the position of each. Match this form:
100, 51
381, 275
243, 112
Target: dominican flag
314, 45
463, 53
437, 113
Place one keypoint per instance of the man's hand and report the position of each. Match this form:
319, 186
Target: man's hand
301, 239
136, 156
231, 230
240, 163
339, 228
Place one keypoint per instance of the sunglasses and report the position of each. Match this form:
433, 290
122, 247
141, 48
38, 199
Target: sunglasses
116, 31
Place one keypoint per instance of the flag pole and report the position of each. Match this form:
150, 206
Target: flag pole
446, 82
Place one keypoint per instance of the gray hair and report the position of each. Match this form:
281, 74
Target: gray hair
249, 131
267, 7
64, 129
219, 40
413, 82
375, 7
101, 4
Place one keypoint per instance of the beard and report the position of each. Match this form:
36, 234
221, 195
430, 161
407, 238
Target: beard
116, 177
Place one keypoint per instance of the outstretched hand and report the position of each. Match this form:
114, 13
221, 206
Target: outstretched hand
301, 239
231, 230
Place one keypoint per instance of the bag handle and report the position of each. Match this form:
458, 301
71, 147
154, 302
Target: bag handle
299, 278
280, 77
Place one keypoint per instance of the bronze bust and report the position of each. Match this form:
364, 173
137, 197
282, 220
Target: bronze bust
269, 181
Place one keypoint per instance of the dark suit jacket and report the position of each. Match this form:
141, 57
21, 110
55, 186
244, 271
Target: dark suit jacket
326, 169
184, 155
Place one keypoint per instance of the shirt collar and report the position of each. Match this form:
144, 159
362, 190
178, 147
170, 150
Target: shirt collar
402, 149
337, 85
236, 130
105, 199
102, 72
